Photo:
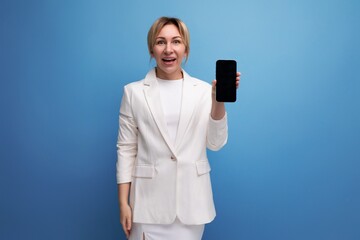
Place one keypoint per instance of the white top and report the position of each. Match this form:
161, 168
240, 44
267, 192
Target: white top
171, 94
170, 98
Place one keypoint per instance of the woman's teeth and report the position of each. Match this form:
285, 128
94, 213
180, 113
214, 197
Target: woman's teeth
168, 59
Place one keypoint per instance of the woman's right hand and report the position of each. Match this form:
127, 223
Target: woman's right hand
125, 218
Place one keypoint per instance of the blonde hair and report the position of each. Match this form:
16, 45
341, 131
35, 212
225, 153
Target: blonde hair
159, 24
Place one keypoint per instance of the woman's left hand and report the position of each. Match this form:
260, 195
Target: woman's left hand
238, 74
218, 108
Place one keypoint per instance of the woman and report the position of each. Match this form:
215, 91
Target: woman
166, 122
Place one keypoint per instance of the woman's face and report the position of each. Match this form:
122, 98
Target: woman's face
169, 51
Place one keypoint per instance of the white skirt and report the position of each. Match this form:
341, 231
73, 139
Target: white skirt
174, 231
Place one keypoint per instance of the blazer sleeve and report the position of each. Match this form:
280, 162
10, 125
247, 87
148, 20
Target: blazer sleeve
217, 133
127, 140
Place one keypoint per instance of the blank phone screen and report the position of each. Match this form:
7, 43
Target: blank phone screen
226, 80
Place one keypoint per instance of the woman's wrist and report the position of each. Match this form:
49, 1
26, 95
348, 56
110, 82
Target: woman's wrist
217, 110
124, 190
124, 204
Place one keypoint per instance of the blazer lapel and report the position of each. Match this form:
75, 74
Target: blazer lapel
152, 96
188, 104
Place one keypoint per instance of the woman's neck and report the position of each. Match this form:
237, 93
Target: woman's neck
172, 76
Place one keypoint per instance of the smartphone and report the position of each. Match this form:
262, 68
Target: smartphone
226, 80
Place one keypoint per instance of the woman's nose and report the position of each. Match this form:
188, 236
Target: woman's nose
168, 48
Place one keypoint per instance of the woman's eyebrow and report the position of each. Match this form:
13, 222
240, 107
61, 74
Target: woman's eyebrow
165, 38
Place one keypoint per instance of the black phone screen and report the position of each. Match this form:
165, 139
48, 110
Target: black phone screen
226, 80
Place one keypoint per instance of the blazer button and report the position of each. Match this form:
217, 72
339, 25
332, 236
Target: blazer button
173, 158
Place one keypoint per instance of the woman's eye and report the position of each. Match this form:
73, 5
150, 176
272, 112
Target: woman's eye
161, 42
176, 42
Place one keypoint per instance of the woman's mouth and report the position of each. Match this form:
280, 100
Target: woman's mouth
169, 60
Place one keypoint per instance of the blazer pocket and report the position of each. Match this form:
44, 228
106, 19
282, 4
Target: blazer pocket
203, 167
144, 171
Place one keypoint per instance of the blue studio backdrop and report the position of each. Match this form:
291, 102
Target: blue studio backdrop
290, 170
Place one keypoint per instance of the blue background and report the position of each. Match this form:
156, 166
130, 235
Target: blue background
290, 169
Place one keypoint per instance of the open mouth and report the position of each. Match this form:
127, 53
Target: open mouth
169, 60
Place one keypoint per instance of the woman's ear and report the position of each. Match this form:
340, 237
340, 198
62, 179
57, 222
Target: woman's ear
186, 56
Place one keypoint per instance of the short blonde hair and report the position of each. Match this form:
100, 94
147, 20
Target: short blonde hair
159, 24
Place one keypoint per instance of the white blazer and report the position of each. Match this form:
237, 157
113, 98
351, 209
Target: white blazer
168, 180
